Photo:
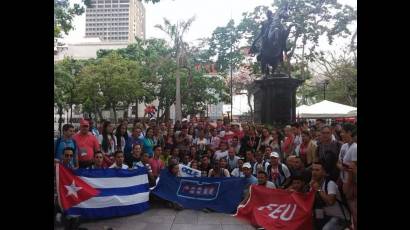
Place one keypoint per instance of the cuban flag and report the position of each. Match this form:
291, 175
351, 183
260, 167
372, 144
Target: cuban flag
102, 193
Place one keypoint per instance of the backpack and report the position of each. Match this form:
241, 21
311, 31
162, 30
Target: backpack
254, 166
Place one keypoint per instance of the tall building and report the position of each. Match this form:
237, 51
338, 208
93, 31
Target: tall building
115, 20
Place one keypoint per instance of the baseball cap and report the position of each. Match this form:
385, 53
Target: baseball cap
246, 165
184, 119
152, 119
274, 154
84, 123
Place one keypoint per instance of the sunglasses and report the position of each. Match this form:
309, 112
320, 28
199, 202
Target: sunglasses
68, 155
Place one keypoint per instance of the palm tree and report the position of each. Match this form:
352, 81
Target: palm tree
176, 33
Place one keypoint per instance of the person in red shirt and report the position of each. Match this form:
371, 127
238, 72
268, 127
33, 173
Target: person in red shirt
87, 144
156, 163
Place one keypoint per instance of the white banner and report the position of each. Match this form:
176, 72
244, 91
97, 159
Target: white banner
185, 171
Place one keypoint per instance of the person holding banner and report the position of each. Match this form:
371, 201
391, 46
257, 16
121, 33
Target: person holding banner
98, 161
250, 179
134, 160
298, 184
261, 181
119, 160
173, 169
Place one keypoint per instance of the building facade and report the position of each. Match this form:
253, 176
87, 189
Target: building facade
115, 20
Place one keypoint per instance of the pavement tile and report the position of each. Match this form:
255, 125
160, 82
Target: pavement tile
196, 227
237, 227
186, 219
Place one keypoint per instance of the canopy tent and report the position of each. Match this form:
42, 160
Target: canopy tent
328, 109
301, 109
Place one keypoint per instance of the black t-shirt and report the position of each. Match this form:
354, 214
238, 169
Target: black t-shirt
130, 160
204, 170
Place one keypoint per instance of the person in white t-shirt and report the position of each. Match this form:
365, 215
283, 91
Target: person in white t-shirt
237, 172
222, 152
332, 215
119, 160
214, 140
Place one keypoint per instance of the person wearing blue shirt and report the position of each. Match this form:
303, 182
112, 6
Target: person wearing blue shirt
66, 141
148, 142
247, 171
135, 138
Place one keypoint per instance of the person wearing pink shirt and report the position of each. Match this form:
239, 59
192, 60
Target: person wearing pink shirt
156, 163
87, 144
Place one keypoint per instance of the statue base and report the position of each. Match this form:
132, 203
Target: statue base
275, 99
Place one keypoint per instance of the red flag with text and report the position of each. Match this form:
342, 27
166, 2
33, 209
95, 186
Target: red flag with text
275, 209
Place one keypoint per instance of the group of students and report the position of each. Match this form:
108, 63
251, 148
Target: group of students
298, 157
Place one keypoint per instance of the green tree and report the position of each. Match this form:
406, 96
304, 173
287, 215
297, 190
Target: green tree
225, 46
341, 71
64, 15
154, 58
113, 80
176, 33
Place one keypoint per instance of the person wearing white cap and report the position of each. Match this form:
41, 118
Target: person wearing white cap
250, 179
277, 172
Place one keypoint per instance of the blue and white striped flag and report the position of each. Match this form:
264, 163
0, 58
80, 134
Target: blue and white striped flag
121, 192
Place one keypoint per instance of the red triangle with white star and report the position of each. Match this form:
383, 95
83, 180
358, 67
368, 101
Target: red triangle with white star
71, 189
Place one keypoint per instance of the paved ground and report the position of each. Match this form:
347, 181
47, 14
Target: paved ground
162, 218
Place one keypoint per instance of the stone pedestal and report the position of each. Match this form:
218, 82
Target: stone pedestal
275, 99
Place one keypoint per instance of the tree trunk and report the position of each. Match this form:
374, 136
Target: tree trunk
67, 120
249, 94
136, 108
60, 119
167, 113
178, 108
115, 112
99, 113
125, 115
71, 113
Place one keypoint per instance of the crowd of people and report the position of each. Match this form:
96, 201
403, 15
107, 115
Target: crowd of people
298, 157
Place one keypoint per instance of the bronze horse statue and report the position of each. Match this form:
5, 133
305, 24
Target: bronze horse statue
274, 36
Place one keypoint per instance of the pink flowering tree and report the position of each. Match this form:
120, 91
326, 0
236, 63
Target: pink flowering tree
243, 83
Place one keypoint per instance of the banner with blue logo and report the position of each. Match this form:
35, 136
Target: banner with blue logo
186, 171
218, 194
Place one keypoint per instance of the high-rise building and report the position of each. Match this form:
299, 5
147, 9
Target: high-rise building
115, 20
